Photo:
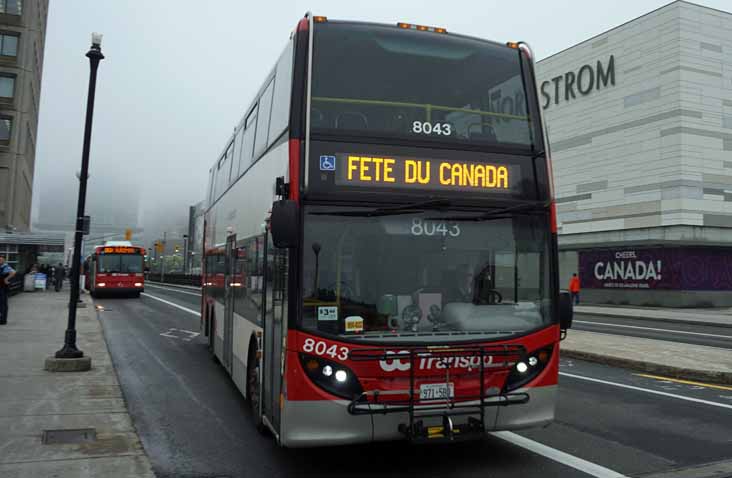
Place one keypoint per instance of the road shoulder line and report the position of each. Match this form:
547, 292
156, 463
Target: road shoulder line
559, 456
172, 304
647, 390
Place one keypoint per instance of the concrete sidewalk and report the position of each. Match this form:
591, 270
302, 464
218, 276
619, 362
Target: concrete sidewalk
672, 359
716, 317
33, 400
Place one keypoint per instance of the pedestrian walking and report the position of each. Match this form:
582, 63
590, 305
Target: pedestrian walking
574, 288
6, 273
59, 276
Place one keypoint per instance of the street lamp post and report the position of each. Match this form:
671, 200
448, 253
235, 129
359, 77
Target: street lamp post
185, 254
69, 350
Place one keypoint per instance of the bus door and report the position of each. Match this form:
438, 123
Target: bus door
229, 265
275, 324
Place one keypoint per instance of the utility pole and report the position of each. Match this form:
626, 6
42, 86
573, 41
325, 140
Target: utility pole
162, 256
185, 254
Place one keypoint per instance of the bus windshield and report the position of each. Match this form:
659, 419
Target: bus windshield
422, 276
417, 85
120, 263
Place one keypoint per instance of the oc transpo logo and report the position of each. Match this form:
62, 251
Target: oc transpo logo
390, 365
428, 362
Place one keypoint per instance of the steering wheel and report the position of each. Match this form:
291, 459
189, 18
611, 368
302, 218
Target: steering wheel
346, 289
490, 296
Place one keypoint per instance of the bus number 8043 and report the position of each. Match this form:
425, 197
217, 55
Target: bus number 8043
425, 127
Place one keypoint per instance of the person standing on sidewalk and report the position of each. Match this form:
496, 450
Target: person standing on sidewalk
59, 279
6, 273
574, 288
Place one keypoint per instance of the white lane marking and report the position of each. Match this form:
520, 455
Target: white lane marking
182, 334
173, 304
173, 290
652, 328
559, 456
647, 390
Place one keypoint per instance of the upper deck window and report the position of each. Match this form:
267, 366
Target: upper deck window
380, 81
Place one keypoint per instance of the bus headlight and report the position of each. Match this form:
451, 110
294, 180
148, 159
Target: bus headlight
526, 370
332, 377
101, 284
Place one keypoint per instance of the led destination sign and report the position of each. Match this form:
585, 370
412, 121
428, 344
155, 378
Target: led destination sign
120, 250
444, 174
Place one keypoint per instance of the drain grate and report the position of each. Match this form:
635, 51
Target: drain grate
77, 435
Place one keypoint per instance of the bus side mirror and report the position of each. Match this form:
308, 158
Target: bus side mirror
283, 223
566, 310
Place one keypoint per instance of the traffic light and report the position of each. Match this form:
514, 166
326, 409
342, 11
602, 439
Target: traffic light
177, 249
128, 234
158, 246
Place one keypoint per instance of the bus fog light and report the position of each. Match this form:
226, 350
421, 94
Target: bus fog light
328, 371
340, 375
533, 361
522, 367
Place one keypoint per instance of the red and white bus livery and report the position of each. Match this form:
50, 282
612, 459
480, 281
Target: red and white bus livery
381, 250
115, 269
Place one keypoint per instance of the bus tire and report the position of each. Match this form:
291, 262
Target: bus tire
212, 335
253, 388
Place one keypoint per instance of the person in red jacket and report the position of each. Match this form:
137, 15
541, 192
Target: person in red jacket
574, 288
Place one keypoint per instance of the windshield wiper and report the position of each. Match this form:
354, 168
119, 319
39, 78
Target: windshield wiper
500, 213
388, 211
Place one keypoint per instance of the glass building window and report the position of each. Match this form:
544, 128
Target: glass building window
11, 7
10, 253
7, 86
8, 44
6, 125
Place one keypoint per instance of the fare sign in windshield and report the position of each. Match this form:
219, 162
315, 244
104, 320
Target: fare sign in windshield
421, 173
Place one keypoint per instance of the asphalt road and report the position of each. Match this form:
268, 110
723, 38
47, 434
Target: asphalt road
194, 423
698, 334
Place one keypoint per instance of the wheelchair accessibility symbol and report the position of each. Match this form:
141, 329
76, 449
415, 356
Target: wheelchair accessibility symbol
327, 163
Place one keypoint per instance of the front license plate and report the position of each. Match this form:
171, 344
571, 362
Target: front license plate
433, 391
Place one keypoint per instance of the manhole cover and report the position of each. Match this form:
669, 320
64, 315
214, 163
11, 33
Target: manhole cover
79, 435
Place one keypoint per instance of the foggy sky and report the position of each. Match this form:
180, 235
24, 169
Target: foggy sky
179, 74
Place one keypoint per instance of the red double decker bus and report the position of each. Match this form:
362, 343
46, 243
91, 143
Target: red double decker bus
381, 240
116, 268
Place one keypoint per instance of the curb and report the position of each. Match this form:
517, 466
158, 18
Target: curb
724, 378
661, 319
145, 456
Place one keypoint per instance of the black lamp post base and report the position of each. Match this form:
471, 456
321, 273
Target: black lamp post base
69, 350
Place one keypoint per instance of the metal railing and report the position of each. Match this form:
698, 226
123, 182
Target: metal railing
175, 278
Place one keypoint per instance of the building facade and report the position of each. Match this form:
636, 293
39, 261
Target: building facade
22, 40
640, 127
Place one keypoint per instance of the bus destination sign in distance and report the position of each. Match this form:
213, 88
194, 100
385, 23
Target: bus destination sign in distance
421, 173
120, 250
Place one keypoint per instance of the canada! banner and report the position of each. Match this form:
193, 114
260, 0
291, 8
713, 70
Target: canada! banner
683, 268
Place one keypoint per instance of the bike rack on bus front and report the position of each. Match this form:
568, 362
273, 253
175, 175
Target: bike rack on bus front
372, 402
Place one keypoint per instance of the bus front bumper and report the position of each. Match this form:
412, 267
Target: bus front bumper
326, 423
